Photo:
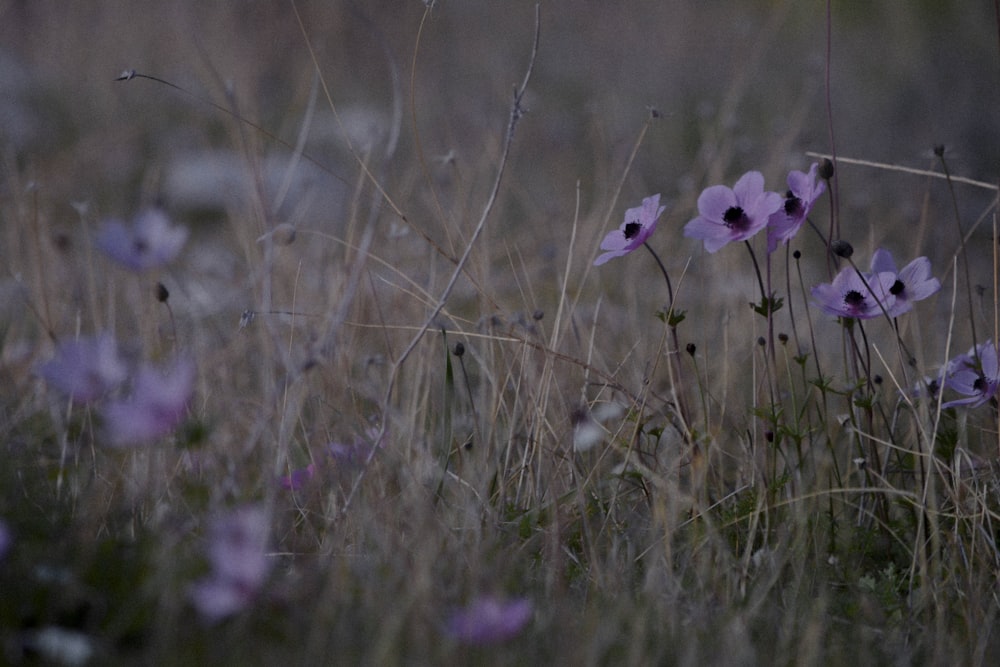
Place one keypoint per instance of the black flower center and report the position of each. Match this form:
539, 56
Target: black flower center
897, 287
736, 218
793, 205
854, 298
140, 246
632, 230
980, 384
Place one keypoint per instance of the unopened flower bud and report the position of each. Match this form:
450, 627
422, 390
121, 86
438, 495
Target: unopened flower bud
842, 248
825, 170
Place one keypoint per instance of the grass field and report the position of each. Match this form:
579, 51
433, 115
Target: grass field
305, 357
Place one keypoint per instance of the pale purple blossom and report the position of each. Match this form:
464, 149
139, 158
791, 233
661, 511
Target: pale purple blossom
912, 283
357, 451
975, 375
639, 225
156, 406
237, 553
489, 620
726, 215
150, 242
851, 296
85, 369
803, 191
298, 478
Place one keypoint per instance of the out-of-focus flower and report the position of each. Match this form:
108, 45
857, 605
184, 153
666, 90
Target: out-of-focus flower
639, 225
489, 620
726, 215
298, 478
975, 375
237, 552
849, 296
359, 450
156, 406
912, 283
151, 241
588, 425
61, 646
803, 191
85, 368
5, 539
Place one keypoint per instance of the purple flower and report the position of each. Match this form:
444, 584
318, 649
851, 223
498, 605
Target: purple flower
727, 215
912, 283
849, 296
639, 225
803, 191
237, 553
85, 368
357, 451
156, 406
297, 479
976, 375
489, 620
5, 539
150, 243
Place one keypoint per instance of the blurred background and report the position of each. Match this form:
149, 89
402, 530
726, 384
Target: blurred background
424, 102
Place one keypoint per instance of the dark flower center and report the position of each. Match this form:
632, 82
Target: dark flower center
632, 230
981, 385
897, 287
793, 205
736, 218
854, 298
140, 246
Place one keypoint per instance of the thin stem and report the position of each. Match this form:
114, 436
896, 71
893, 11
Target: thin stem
666, 276
939, 151
516, 112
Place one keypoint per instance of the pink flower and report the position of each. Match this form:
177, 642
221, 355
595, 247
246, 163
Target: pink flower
156, 406
726, 215
639, 225
489, 620
85, 368
150, 243
237, 553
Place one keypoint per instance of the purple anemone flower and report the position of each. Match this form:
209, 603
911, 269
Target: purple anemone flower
912, 283
85, 368
803, 191
151, 241
726, 215
639, 225
849, 296
489, 620
237, 552
156, 407
975, 375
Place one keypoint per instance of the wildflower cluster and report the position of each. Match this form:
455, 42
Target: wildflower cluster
727, 215
91, 371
